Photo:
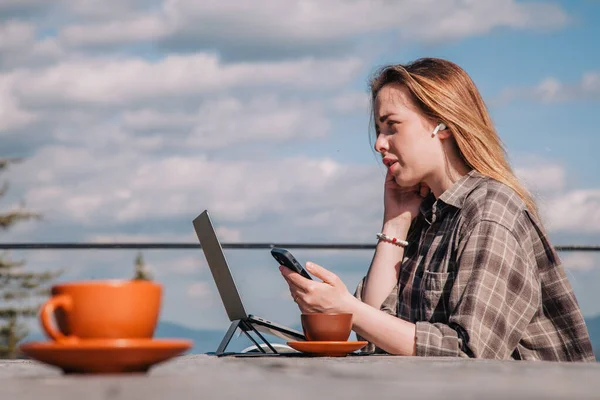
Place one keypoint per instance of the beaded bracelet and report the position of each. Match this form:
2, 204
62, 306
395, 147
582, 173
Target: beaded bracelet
392, 240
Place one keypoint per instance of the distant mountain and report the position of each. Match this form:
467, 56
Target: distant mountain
206, 341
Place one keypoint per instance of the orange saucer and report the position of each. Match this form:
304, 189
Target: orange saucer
106, 355
327, 349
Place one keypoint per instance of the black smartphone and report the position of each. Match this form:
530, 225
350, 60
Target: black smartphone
286, 258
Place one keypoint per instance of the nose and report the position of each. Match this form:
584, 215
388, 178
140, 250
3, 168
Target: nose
381, 144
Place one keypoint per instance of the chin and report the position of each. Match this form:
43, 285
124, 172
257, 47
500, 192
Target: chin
406, 182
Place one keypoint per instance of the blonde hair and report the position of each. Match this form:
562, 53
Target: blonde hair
444, 92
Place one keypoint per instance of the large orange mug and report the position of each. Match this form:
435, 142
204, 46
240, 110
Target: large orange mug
104, 309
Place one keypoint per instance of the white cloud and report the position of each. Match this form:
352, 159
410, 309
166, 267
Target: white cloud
15, 34
152, 119
217, 123
351, 102
232, 121
172, 266
31, 55
552, 90
186, 266
12, 114
136, 238
189, 108
102, 82
456, 20
563, 210
228, 235
580, 261
179, 178
11, 6
590, 82
95, 11
19, 46
74, 185
549, 89
199, 289
543, 177
574, 211
302, 24
135, 29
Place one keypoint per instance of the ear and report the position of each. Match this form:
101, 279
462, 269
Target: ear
441, 130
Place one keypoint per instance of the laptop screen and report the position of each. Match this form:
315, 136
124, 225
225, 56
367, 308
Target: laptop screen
218, 267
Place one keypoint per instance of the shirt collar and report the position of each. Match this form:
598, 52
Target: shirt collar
454, 196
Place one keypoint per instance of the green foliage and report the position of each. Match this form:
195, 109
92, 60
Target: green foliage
141, 270
21, 291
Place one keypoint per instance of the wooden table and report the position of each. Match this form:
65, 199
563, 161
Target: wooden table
354, 377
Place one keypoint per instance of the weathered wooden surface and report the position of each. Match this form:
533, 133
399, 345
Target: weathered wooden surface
208, 377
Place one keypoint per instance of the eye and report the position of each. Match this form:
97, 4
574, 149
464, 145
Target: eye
377, 129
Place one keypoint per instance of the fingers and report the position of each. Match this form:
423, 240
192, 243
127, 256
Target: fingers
311, 295
303, 306
421, 188
298, 298
298, 295
409, 189
302, 299
390, 181
389, 176
295, 279
295, 291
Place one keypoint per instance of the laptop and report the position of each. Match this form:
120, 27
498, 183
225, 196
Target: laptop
226, 285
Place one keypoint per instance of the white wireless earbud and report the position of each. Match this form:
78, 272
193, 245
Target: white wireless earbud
439, 127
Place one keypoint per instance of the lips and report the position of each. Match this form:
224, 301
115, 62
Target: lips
388, 162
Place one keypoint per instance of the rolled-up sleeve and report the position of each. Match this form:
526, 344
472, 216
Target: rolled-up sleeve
495, 295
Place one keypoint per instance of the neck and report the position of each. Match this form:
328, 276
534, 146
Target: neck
447, 174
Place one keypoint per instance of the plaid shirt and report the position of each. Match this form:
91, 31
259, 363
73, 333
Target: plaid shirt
480, 279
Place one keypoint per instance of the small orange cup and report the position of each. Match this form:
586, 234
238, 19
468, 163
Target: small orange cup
327, 327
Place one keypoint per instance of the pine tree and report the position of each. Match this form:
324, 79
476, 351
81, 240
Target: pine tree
19, 288
141, 270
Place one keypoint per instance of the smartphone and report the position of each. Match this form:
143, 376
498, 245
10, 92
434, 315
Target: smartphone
286, 258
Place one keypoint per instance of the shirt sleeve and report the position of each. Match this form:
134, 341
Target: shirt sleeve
495, 295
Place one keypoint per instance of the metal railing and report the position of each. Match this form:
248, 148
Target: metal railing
180, 245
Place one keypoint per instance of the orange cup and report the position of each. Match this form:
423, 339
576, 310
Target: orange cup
327, 327
105, 309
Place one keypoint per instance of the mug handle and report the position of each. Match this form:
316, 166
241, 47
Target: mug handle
60, 301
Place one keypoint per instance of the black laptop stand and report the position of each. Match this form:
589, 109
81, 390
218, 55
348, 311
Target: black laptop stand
245, 326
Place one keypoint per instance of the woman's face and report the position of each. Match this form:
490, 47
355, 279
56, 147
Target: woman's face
404, 137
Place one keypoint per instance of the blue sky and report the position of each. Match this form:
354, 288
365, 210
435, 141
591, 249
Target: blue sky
135, 117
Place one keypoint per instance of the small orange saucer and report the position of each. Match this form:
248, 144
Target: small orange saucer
106, 355
327, 349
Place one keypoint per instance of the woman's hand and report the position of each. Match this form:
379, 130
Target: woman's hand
329, 296
401, 204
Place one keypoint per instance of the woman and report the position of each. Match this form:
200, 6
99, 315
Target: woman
463, 266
